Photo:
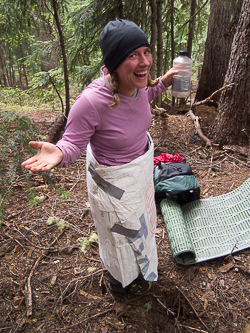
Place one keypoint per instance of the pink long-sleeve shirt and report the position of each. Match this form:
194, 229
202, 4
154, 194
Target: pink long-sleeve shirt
116, 136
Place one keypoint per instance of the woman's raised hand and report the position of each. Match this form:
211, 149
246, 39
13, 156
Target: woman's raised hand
48, 156
168, 77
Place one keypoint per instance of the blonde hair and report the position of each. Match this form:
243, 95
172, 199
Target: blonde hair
115, 85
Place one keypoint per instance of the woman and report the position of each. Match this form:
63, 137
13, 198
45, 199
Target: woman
111, 118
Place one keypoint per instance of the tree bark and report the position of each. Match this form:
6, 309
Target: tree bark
153, 38
55, 130
2, 67
223, 20
159, 45
65, 66
143, 14
232, 125
191, 28
172, 40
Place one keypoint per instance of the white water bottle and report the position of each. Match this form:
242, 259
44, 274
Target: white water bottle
181, 81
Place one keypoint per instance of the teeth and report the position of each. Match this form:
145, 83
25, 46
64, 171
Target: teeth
141, 73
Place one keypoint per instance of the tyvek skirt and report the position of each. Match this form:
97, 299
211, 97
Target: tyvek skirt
123, 209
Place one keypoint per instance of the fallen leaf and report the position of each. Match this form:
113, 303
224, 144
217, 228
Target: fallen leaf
91, 269
89, 296
77, 270
207, 297
53, 280
212, 276
226, 268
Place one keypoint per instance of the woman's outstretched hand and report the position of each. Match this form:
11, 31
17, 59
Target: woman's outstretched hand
47, 157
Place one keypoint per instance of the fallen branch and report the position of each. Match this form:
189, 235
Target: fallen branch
28, 290
198, 129
210, 98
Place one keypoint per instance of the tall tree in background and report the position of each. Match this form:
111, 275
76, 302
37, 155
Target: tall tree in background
191, 28
159, 45
172, 30
232, 125
153, 39
223, 20
55, 130
159, 38
55, 6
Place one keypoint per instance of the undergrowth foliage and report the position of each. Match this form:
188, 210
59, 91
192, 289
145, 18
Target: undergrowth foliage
15, 133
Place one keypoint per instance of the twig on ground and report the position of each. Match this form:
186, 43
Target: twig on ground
100, 281
192, 308
193, 329
84, 321
75, 280
168, 310
236, 159
235, 247
28, 289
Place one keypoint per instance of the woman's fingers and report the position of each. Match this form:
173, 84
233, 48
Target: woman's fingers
36, 144
47, 157
30, 160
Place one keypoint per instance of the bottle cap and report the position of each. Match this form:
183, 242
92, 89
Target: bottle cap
183, 53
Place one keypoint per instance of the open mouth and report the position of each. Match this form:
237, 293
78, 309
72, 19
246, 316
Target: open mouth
141, 74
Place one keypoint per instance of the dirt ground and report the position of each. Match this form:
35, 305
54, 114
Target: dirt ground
49, 285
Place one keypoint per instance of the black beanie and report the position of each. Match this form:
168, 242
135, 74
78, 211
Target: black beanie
118, 39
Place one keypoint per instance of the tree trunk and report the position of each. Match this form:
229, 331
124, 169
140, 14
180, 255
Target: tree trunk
2, 68
172, 31
143, 14
153, 34
20, 76
159, 45
190, 37
65, 66
191, 28
232, 125
25, 76
172, 39
223, 20
55, 130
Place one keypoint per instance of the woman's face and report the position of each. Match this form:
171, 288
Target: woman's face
133, 72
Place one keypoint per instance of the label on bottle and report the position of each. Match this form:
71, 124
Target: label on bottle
181, 83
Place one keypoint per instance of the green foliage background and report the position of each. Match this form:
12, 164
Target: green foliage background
29, 40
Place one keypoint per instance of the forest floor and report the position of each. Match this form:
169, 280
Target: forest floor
49, 285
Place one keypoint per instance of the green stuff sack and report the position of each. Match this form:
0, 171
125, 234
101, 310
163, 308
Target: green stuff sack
175, 181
